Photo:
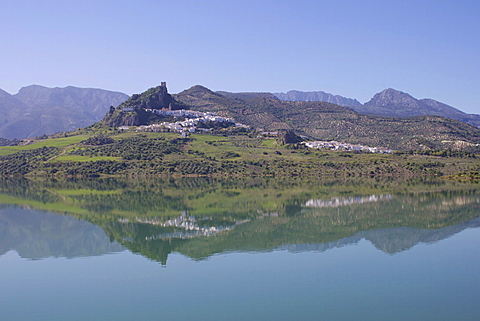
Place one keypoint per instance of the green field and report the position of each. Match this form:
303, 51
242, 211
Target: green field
53, 142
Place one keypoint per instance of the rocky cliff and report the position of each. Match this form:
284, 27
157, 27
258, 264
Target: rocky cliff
133, 111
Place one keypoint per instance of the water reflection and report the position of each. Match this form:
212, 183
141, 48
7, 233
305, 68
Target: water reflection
186, 226
344, 201
37, 235
390, 240
203, 217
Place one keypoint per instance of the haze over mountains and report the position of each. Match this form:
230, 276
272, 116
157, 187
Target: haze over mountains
36, 110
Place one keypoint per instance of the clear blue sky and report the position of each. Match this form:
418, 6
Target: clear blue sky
353, 48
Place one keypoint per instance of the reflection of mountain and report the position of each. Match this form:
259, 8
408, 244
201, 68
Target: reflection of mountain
394, 225
36, 235
145, 215
391, 240
403, 238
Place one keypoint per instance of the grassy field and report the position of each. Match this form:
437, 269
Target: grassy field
54, 142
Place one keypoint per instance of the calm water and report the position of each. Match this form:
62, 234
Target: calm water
260, 252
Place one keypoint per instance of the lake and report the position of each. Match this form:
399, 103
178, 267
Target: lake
213, 249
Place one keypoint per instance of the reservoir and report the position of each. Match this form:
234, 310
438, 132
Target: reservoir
206, 249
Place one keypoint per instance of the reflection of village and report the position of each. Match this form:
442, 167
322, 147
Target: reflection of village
333, 145
185, 226
344, 201
190, 124
188, 225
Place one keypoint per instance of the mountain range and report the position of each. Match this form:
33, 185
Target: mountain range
389, 103
295, 95
36, 110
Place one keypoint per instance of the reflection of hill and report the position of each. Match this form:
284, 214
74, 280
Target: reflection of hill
36, 235
392, 225
145, 215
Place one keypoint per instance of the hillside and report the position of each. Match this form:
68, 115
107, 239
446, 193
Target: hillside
325, 121
37, 110
95, 152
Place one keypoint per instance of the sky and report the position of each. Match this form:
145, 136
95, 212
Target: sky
352, 48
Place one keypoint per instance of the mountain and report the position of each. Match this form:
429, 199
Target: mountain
37, 110
453, 113
247, 95
394, 103
295, 95
389, 102
9, 107
326, 121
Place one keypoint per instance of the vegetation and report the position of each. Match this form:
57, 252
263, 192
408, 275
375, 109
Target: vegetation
98, 140
237, 153
429, 146
9, 142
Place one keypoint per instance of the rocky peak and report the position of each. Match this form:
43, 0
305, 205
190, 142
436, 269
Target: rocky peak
133, 111
391, 96
154, 98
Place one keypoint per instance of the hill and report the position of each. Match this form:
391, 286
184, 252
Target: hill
37, 110
133, 112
